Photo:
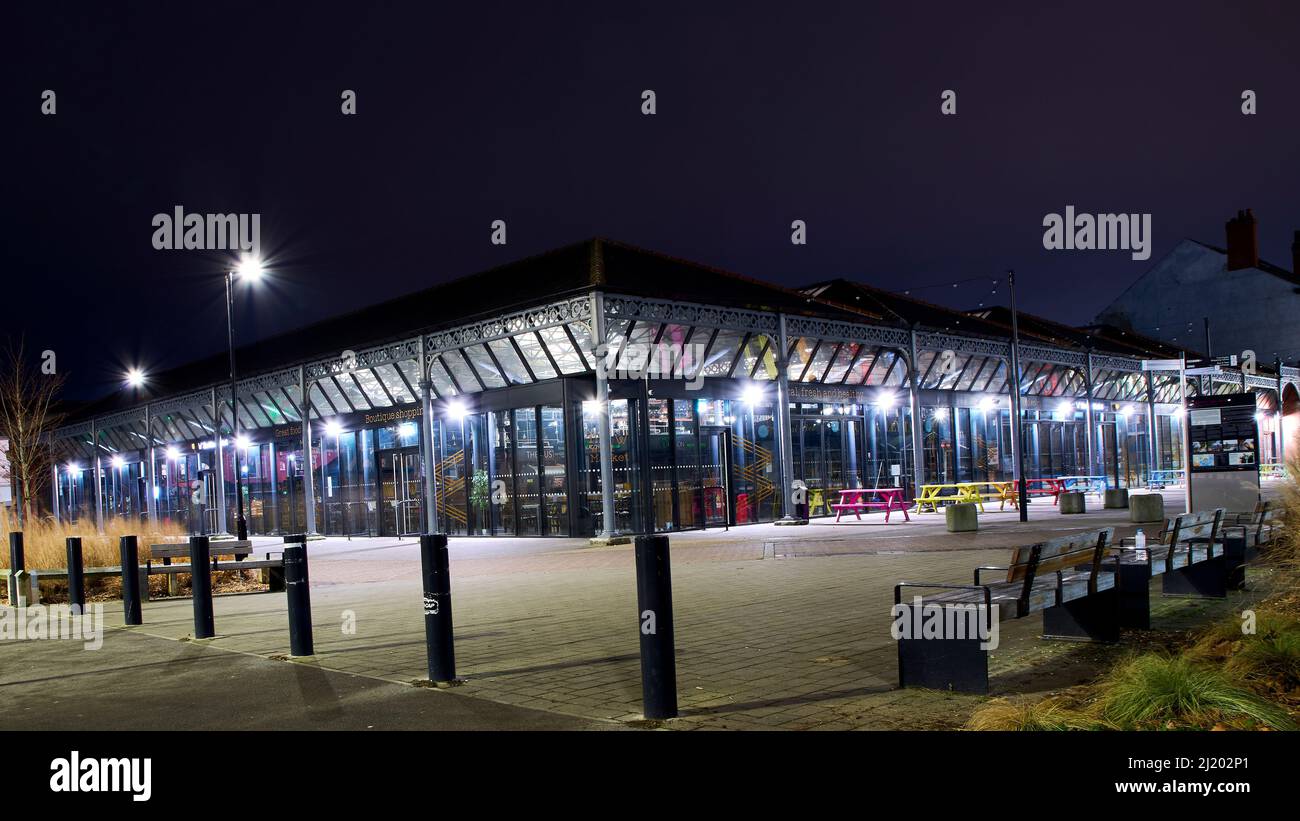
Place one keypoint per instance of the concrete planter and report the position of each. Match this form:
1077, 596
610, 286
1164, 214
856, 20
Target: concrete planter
1116, 498
1146, 507
1073, 502
962, 518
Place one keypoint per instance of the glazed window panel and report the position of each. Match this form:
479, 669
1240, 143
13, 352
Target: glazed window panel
354, 393
373, 391
459, 369
510, 362
722, 353
441, 379
391, 380
562, 351
536, 356
484, 366
820, 362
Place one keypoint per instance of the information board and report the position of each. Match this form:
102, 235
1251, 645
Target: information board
1223, 463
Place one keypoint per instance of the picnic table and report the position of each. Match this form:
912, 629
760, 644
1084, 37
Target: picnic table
855, 501
1042, 486
1085, 484
931, 496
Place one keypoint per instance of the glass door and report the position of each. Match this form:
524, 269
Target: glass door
715, 476
399, 492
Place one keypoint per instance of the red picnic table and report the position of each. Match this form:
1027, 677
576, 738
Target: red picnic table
1044, 486
855, 500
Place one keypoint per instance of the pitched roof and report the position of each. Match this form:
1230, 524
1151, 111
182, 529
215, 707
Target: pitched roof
900, 309
1292, 277
572, 270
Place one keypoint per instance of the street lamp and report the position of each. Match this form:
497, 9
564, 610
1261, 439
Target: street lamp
135, 378
250, 270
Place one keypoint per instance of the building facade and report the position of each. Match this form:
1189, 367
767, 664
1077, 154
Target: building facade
601, 388
1218, 301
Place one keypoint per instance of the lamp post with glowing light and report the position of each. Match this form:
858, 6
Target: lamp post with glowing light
135, 379
249, 269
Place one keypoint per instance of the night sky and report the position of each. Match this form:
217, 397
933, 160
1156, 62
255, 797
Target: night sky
531, 113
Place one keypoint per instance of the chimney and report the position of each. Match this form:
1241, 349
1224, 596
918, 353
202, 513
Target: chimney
1243, 241
1295, 254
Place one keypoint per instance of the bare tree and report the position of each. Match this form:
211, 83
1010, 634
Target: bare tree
28, 415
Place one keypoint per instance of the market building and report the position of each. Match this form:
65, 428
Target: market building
601, 388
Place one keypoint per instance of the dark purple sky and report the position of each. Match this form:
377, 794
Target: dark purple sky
767, 112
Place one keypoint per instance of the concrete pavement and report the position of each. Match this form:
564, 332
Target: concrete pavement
777, 627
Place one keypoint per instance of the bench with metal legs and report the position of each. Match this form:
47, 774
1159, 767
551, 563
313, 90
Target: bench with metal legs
1070, 580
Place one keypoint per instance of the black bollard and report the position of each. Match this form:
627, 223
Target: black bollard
438, 634
76, 574
201, 583
654, 602
17, 564
16, 559
130, 550
298, 592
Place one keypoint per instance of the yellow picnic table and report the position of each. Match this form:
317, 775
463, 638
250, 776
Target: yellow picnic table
931, 496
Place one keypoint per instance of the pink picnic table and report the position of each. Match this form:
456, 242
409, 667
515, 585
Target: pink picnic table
855, 500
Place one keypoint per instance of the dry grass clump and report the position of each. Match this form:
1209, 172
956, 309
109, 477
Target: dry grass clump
1046, 715
1155, 691
45, 540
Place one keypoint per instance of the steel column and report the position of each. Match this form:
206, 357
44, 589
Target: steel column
308, 478
784, 434
427, 451
151, 504
1281, 419
218, 467
598, 339
1151, 426
918, 460
1087, 413
95, 469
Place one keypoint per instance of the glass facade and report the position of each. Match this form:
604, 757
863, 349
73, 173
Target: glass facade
693, 428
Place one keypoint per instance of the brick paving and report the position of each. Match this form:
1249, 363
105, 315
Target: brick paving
797, 640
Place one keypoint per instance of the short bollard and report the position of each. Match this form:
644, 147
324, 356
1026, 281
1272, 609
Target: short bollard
17, 560
654, 602
76, 574
22, 592
201, 585
438, 634
298, 592
130, 550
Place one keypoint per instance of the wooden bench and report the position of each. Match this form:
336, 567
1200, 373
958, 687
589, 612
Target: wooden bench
181, 550
1070, 580
1244, 534
1183, 554
1259, 526
272, 569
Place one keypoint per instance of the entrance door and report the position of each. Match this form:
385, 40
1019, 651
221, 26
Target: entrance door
1110, 452
715, 476
399, 492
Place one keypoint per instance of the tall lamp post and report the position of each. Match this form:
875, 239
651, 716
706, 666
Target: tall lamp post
1016, 417
249, 269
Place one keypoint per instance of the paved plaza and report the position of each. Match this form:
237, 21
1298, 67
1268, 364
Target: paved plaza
777, 627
